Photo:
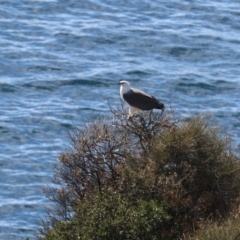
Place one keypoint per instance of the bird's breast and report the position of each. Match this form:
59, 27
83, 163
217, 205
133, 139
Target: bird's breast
123, 91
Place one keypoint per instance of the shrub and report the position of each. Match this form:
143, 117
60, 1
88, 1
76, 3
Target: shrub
196, 173
149, 178
115, 217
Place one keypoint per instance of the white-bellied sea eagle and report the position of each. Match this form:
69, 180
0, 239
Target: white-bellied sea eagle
137, 99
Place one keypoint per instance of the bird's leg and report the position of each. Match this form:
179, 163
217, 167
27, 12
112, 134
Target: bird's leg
133, 111
129, 117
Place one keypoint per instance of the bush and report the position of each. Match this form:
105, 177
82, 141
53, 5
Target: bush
114, 217
198, 176
149, 178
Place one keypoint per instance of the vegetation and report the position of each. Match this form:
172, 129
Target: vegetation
228, 230
149, 178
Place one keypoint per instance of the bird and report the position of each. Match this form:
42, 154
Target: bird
137, 99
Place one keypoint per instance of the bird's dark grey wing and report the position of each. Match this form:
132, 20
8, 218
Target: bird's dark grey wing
141, 100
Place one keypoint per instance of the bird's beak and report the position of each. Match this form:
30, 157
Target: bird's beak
119, 83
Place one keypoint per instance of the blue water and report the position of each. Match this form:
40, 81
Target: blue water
61, 60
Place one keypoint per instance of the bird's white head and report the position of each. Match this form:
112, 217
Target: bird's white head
124, 87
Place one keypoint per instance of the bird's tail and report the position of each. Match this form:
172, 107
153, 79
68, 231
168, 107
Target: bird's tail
160, 105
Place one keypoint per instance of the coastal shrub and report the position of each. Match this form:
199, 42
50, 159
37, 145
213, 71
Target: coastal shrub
114, 217
148, 178
196, 173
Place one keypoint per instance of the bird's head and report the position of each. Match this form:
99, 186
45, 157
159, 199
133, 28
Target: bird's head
124, 86
124, 83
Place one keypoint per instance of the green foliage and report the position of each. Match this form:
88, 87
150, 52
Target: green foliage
197, 174
228, 230
195, 159
113, 217
149, 178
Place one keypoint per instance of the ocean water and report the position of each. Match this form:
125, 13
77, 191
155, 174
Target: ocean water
60, 62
